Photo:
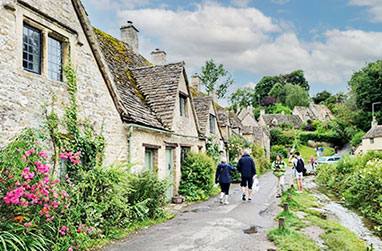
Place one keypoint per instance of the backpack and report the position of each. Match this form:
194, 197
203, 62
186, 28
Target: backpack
300, 166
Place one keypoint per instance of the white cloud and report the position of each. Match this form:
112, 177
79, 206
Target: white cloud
117, 4
374, 8
240, 3
280, 1
244, 39
250, 85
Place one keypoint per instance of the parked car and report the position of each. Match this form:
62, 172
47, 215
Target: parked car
328, 160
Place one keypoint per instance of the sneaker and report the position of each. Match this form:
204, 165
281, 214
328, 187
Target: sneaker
226, 203
278, 196
221, 200
244, 199
249, 200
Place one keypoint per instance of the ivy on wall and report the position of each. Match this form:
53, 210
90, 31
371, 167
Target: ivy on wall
73, 141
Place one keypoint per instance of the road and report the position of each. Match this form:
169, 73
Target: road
210, 226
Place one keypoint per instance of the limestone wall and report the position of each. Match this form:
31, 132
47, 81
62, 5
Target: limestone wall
23, 94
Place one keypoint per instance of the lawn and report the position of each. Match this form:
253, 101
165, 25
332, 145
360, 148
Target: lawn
306, 152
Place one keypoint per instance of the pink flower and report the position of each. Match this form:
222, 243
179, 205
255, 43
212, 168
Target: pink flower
27, 224
70, 249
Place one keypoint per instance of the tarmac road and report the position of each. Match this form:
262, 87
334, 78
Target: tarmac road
210, 226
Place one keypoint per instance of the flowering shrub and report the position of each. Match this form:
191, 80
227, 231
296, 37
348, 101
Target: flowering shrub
236, 146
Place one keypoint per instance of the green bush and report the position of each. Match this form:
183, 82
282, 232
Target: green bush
277, 149
261, 161
357, 138
359, 181
329, 137
235, 175
197, 181
280, 137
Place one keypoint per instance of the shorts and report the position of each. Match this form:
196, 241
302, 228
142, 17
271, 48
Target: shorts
246, 181
297, 175
225, 188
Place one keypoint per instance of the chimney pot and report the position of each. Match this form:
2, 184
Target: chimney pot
158, 57
129, 35
262, 112
196, 82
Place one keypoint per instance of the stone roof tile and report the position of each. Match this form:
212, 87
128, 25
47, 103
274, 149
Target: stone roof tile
374, 132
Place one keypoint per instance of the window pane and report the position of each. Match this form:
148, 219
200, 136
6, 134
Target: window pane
148, 159
31, 49
212, 123
54, 59
182, 105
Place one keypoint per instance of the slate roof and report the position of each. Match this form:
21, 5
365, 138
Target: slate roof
280, 118
159, 84
202, 109
223, 116
235, 121
306, 110
374, 132
120, 58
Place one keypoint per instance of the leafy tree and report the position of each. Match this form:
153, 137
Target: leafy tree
278, 92
243, 97
296, 96
263, 88
269, 101
322, 97
295, 78
279, 108
211, 74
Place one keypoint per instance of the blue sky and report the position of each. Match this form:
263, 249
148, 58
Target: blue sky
328, 39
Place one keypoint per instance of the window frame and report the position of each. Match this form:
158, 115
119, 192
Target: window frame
212, 120
182, 106
55, 38
371, 140
151, 152
41, 47
184, 150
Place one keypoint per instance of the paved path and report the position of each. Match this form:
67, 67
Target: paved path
209, 226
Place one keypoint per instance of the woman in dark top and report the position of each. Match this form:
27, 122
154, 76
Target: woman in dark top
223, 177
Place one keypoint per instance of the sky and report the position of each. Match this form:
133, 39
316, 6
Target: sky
327, 39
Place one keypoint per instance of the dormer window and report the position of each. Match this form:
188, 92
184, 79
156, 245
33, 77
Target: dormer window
275, 122
212, 123
182, 105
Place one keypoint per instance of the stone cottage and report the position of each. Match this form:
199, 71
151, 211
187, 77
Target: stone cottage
274, 120
313, 112
372, 141
37, 38
247, 118
158, 111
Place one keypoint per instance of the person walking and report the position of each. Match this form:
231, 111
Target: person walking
318, 151
279, 169
298, 169
247, 168
312, 162
223, 177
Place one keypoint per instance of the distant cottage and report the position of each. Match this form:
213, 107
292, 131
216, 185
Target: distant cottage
372, 141
313, 112
275, 120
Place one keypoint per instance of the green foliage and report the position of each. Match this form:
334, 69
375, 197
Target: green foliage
296, 96
280, 137
329, 137
294, 78
212, 149
264, 87
279, 108
357, 138
277, 149
321, 97
243, 98
236, 146
290, 240
211, 73
261, 160
359, 181
278, 92
197, 177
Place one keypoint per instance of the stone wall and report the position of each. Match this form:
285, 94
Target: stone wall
23, 94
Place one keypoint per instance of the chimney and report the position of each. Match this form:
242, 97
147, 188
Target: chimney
374, 123
214, 97
196, 82
129, 35
262, 112
158, 57
283, 112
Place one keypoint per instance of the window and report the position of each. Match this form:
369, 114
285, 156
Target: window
212, 123
371, 140
31, 49
149, 159
54, 59
183, 153
182, 105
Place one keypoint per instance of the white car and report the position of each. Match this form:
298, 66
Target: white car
328, 160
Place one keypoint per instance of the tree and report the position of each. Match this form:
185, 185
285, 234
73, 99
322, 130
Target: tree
264, 87
295, 78
242, 98
321, 97
279, 108
211, 74
278, 92
296, 96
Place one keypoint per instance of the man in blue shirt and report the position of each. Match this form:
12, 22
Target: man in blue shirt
246, 166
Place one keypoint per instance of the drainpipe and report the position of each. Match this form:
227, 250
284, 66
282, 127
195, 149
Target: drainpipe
131, 129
